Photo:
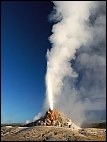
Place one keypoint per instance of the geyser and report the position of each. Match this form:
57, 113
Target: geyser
78, 36
49, 90
68, 35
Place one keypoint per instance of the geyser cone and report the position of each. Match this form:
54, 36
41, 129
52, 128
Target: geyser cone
54, 118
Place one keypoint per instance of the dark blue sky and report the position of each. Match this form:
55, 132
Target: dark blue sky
25, 30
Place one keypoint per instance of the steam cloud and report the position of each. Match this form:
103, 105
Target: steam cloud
76, 63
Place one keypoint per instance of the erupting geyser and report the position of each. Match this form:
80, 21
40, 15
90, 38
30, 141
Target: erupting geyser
68, 35
76, 62
49, 91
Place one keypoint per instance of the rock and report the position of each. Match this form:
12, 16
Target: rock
54, 118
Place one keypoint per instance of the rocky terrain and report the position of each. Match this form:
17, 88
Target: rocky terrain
53, 126
51, 133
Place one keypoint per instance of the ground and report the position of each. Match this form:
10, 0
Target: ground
51, 133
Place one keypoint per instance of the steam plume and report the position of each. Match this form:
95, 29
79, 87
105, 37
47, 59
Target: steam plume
76, 61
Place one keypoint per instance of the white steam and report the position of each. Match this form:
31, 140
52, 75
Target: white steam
80, 28
66, 38
37, 116
27, 121
49, 90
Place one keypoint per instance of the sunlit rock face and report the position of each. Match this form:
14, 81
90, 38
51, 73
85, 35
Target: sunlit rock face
53, 118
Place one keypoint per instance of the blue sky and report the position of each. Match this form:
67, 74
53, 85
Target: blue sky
25, 29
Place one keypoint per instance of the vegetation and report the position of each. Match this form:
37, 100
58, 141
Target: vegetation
101, 125
12, 124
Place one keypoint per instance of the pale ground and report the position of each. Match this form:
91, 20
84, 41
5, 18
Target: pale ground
51, 133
